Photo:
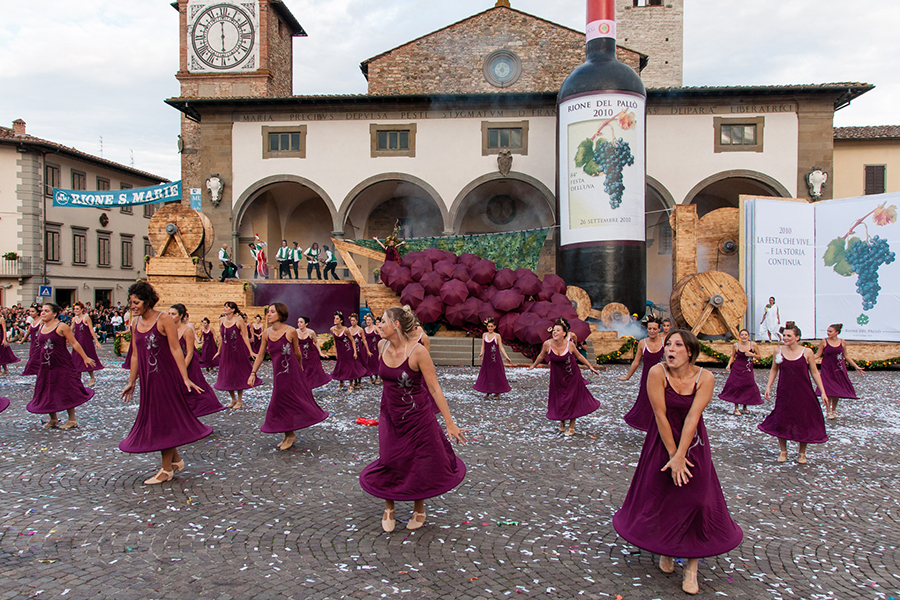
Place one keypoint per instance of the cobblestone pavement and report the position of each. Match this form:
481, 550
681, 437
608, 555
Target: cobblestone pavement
532, 518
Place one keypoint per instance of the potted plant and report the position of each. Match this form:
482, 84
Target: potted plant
11, 256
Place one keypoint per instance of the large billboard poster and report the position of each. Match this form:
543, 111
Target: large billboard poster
780, 244
829, 262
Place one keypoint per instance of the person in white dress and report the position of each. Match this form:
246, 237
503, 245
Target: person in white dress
771, 320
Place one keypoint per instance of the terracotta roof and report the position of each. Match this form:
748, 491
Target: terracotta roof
872, 132
9, 136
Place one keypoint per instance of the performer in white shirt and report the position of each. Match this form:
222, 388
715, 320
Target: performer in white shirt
296, 254
229, 269
285, 258
312, 260
330, 263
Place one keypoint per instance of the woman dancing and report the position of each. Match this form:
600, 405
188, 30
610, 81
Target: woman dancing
256, 331
206, 402
796, 415
164, 420
391, 246
311, 355
292, 405
363, 353
569, 397
415, 460
58, 387
83, 330
7, 356
833, 369
372, 338
209, 350
234, 356
492, 375
681, 513
650, 352
347, 367
740, 388
34, 354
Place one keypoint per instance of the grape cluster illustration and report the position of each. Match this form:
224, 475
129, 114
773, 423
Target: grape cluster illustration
866, 258
611, 158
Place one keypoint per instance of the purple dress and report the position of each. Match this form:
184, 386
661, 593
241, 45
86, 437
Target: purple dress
346, 368
256, 338
740, 388
234, 361
83, 336
691, 521
492, 376
834, 373
797, 415
415, 459
312, 364
372, 340
127, 363
292, 405
4, 403
208, 350
641, 414
361, 357
34, 356
205, 403
58, 387
164, 419
569, 396
7, 356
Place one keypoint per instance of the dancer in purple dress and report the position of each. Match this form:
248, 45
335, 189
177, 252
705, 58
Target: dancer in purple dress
415, 460
569, 397
363, 353
83, 330
256, 331
740, 388
292, 405
58, 387
347, 367
164, 420
311, 355
7, 356
492, 375
209, 350
796, 415
234, 356
372, 339
34, 355
391, 245
833, 369
205, 402
681, 513
126, 364
641, 413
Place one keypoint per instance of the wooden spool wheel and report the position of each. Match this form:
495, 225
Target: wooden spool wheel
615, 315
178, 231
581, 301
711, 303
717, 241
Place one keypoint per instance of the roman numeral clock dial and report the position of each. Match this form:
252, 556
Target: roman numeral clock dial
222, 37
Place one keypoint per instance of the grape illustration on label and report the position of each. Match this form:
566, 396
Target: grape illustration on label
599, 155
851, 254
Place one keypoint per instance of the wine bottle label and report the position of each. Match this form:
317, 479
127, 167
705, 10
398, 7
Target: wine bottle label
601, 29
601, 167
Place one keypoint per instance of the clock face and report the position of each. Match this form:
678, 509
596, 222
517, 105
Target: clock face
222, 38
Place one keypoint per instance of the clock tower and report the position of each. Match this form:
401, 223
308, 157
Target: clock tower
229, 49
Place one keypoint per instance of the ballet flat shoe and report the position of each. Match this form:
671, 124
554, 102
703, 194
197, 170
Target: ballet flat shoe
69, 425
387, 521
178, 466
802, 459
414, 523
666, 564
156, 479
782, 457
689, 585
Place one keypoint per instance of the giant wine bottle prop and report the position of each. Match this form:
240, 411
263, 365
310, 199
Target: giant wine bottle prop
601, 172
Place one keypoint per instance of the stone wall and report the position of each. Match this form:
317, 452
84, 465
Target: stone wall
451, 60
815, 143
30, 194
658, 32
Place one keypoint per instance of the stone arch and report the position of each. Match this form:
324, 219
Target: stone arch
465, 200
248, 195
724, 186
354, 196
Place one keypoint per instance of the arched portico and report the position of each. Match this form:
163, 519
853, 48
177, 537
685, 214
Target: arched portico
373, 206
495, 202
723, 189
658, 204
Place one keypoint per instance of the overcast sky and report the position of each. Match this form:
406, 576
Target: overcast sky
79, 71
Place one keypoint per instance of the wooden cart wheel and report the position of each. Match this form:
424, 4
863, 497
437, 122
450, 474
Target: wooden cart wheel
189, 225
581, 299
712, 296
614, 314
717, 241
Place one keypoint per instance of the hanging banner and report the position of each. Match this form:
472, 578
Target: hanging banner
166, 192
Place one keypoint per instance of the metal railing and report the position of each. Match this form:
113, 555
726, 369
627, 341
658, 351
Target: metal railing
19, 267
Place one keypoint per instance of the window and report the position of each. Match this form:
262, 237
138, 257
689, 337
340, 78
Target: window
127, 251
103, 249
126, 210
149, 209
148, 248
509, 135
79, 180
392, 140
284, 142
51, 242
502, 68
102, 184
640, 3
738, 135
51, 179
79, 246
875, 179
